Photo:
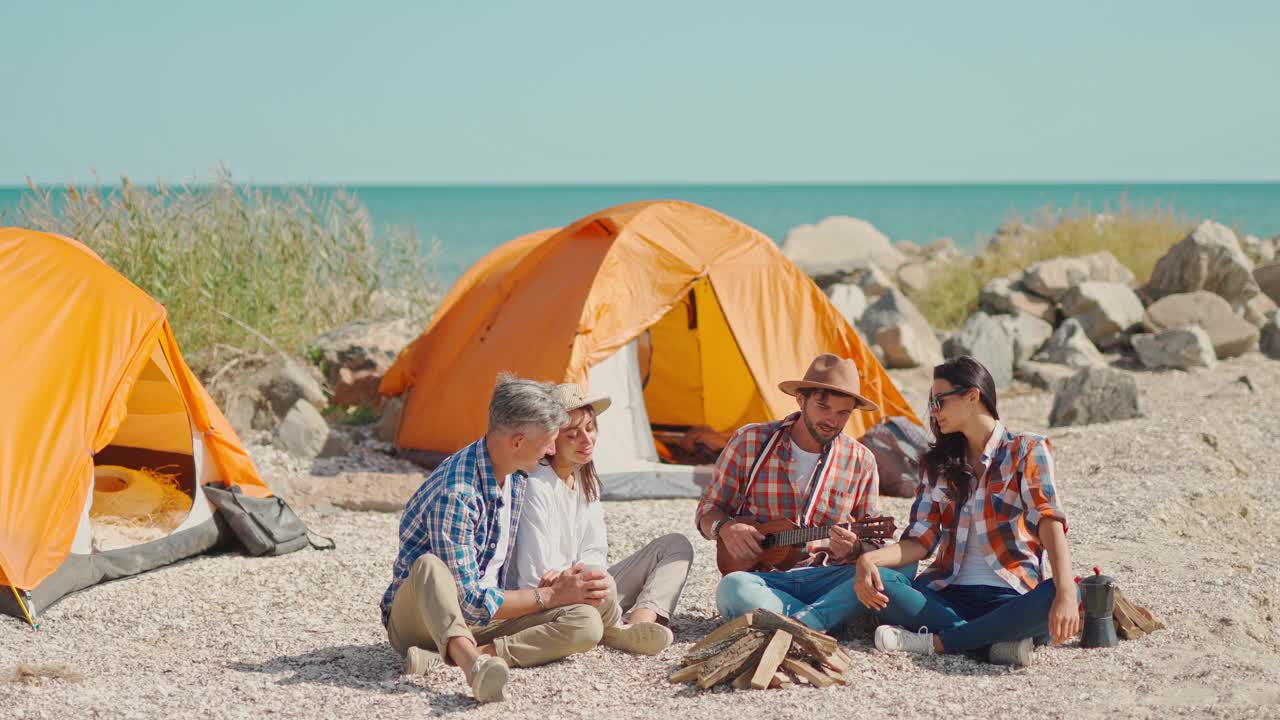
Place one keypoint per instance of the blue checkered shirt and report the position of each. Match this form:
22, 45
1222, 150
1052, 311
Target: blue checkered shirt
454, 516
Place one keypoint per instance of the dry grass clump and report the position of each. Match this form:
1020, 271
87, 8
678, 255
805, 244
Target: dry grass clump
40, 674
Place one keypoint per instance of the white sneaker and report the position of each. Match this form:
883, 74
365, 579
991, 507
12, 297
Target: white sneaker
419, 661
642, 638
488, 677
1011, 652
896, 639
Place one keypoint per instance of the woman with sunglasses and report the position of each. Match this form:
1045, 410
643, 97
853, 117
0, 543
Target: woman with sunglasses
987, 504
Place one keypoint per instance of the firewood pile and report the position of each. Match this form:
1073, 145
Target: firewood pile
764, 650
1132, 621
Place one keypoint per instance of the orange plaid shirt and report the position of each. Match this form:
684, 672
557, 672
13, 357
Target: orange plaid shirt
847, 484
1013, 496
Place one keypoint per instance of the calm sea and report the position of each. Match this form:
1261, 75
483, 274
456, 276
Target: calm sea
469, 221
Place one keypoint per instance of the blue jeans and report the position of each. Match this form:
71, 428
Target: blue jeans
819, 597
968, 618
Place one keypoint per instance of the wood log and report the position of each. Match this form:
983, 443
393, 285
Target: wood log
817, 643
686, 673
743, 681
836, 676
816, 677
780, 680
722, 633
707, 652
731, 661
1139, 615
774, 653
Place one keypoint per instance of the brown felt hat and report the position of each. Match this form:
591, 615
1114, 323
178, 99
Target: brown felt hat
830, 372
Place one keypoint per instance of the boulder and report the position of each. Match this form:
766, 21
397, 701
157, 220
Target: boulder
839, 244
1005, 296
1259, 309
1095, 395
1270, 344
986, 339
1178, 349
1029, 334
354, 357
849, 300
356, 387
338, 443
1268, 279
284, 383
1046, 376
917, 275
1106, 310
897, 444
873, 281
1255, 247
303, 433
941, 249
240, 410
1053, 278
389, 421
1070, 345
1210, 259
894, 324
1230, 334
907, 247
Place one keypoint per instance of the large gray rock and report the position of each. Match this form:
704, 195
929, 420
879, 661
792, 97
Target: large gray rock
917, 275
354, 357
849, 300
389, 421
1095, 395
1230, 334
1210, 259
284, 383
942, 248
894, 324
1046, 376
1270, 344
838, 244
303, 433
1268, 279
1029, 334
1004, 296
873, 281
1259, 309
1053, 278
1106, 310
1070, 345
1179, 349
988, 340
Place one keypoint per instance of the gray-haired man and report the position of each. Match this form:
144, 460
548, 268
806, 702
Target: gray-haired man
456, 535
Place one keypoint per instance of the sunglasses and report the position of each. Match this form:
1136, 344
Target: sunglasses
935, 401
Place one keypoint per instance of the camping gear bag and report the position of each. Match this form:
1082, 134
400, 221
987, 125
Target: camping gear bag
898, 444
264, 526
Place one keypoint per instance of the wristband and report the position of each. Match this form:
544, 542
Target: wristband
537, 596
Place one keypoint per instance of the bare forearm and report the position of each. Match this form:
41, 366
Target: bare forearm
518, 603
901, 553
1054, 540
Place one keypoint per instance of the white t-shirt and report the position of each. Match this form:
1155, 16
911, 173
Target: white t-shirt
801, 469
490, 577
975, 567
558, 529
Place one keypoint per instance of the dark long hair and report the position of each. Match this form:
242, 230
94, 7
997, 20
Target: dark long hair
945, 461
587, 474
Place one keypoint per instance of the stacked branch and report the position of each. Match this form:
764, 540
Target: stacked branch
764, 650
1132, 621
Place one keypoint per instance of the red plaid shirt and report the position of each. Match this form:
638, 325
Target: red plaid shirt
1014, 494
845, 486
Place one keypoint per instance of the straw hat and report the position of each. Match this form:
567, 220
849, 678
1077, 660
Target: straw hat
572, 398
829, 372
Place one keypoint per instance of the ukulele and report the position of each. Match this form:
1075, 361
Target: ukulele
784, 540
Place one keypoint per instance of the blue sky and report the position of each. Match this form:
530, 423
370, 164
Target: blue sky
548, 92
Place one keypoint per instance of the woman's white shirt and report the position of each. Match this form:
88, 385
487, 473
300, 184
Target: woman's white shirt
559, 528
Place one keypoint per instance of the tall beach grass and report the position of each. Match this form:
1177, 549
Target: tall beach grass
243, 269
1137, 236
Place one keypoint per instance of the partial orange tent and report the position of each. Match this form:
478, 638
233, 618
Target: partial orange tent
94, 380
706, 314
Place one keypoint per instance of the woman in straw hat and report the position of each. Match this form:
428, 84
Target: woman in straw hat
562, 531
988, 506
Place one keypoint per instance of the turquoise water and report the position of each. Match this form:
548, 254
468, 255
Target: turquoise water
467, 222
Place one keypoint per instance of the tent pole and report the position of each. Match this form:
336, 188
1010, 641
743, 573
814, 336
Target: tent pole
25, 611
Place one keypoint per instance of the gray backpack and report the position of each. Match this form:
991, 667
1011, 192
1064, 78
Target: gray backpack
264, 526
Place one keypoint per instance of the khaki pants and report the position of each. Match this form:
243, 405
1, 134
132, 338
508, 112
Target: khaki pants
425, 613
652, 579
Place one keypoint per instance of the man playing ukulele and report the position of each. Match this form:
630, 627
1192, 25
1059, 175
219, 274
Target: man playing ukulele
805, 469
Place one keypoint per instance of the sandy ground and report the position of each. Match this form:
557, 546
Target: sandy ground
1179, 506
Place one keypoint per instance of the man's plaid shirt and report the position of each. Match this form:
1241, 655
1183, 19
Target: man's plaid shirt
454, 516
847, 483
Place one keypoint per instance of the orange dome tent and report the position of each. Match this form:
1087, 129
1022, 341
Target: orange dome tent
93, 378
722, 312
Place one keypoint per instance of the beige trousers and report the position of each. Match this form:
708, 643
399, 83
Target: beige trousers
425, 613
652, 578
